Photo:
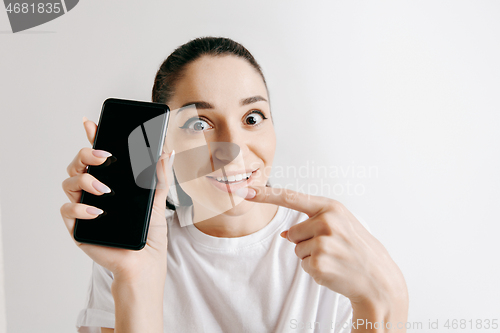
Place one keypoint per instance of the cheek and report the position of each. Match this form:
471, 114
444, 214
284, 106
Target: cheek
179, 141
264, 148
267, 146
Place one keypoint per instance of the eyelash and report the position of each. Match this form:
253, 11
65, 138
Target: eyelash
191, 120
258, 112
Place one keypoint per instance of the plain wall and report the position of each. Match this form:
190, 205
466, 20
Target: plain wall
3, 319
406, 89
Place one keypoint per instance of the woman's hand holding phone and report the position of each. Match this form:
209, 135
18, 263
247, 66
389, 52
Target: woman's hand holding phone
143, 270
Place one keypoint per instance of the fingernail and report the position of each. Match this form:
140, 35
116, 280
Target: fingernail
283, 234
100, 187
245, 192
163, 155
171, 159
85, 119
101, 153
94, 211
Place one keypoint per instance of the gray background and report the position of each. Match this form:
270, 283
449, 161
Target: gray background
408, 87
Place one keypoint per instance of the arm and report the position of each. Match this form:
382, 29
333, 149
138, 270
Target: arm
389, 309
373, 317
138, 305
139, 276
339, 253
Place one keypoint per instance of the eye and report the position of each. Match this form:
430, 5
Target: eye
254, 118
196, 125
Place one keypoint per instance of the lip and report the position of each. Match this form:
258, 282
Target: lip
232, 187
232, 173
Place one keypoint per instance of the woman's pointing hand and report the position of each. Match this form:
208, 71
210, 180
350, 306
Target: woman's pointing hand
337, 251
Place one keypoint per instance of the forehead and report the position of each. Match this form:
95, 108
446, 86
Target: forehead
220, 80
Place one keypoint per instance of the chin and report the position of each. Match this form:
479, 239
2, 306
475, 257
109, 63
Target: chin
239, 209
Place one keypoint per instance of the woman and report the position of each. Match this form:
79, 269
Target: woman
221, 267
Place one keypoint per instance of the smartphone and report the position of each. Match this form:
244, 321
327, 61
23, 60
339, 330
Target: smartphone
134, 133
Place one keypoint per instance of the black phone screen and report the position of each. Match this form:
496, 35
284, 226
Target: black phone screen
133, 132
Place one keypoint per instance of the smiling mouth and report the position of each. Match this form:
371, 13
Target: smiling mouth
233, 179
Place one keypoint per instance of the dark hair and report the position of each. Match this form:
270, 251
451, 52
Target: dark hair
172, 69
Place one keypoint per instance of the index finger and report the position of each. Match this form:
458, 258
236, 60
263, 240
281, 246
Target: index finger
90, 129
306, 203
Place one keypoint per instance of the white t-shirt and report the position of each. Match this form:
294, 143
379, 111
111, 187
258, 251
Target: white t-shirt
253, 283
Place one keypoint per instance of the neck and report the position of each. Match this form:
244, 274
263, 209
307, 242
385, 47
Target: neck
233, 223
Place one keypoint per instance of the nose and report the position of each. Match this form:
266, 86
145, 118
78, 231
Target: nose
230, 143
223, 153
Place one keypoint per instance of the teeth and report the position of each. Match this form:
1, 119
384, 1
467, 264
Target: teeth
235, 178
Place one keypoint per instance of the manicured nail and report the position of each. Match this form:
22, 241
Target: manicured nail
100, 187
283, 234
94, 211
171, 159
245, 193
101, 153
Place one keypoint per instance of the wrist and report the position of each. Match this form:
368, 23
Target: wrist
146, 284
141, 275
384, 287
386, 301
376, 316
138, 305
389, 306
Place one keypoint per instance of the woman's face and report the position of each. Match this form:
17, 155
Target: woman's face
220, 125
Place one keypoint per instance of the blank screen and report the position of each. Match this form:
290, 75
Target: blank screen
133, 132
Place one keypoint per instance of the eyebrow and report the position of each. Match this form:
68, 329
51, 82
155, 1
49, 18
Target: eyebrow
206, 105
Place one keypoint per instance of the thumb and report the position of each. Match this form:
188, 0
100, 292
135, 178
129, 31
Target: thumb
164, 174
284, 234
